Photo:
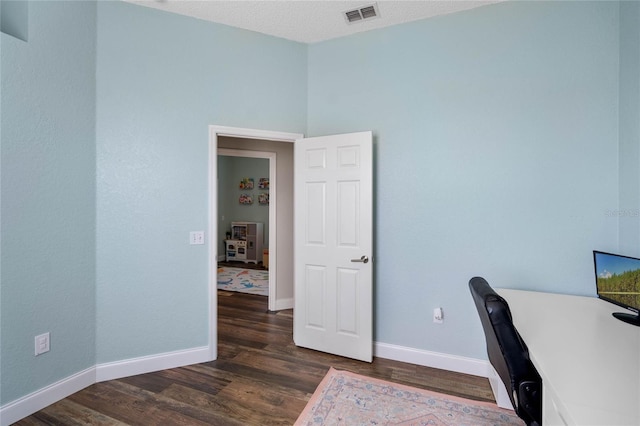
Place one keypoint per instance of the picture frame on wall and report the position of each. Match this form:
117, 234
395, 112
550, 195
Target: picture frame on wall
245, 199
263, 199
246, 184
263, 183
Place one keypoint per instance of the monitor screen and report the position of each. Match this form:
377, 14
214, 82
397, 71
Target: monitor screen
618, 281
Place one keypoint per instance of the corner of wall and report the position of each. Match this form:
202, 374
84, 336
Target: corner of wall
628, 211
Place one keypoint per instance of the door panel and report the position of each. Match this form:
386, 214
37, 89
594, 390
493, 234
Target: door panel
315, 284
316, 217
348, 213
347, 299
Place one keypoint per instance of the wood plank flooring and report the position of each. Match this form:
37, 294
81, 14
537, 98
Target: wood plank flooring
259, 378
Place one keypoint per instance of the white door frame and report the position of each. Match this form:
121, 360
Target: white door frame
214, 132
273, 207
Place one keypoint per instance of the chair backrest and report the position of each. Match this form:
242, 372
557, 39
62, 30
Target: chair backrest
507, 351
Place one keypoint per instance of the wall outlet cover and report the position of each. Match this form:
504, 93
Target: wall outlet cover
42, 343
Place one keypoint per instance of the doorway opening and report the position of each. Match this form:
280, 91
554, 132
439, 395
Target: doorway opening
277, 147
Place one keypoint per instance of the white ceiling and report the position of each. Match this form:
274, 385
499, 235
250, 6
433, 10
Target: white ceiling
308, 21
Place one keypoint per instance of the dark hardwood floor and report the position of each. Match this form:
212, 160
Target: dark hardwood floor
259, 378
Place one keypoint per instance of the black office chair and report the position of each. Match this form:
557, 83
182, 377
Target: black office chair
508, 353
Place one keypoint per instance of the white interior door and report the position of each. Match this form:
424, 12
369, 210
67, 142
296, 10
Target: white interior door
334, 244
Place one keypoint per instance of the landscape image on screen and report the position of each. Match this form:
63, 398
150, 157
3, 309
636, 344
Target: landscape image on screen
618, 279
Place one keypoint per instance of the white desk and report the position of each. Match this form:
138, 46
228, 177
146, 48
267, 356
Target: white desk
589, 361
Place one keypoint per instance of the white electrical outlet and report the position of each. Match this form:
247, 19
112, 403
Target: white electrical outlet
196, 237
42, 343
438, 317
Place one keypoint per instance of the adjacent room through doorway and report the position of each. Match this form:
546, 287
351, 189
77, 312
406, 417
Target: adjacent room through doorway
255, 176
243, 223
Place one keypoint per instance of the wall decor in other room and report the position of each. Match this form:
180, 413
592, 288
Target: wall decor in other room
246, 184
246, 199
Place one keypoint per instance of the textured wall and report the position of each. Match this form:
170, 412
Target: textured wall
496, 155
162, 80
48, 196
628, 212
0, 208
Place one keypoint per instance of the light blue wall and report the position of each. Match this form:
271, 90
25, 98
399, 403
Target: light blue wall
162, 80
496, 155
48, 196
0, 210
629, 210
14, 20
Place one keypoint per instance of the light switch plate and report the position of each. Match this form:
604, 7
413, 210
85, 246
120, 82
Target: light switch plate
196, 237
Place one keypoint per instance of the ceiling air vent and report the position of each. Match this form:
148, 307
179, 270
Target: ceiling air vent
361, 13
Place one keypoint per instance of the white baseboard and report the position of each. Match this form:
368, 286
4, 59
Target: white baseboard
439, 360
148, 364
36, 401
475, 367
284, 304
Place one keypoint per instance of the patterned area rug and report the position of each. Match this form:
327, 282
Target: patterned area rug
345, 398
250, 281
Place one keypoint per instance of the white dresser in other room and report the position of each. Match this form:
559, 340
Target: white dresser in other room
246, 242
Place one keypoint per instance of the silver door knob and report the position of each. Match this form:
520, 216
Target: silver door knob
363, 259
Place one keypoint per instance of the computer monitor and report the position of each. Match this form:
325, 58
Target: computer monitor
618, 281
